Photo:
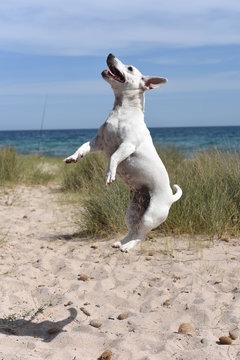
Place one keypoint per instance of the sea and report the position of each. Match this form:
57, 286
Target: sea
61, 143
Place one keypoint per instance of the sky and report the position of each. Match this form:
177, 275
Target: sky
52, 53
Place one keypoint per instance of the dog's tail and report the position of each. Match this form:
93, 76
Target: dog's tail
178, 193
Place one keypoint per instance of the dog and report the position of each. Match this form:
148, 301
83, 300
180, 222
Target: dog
128, 145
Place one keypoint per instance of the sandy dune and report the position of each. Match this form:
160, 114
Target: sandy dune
46, 309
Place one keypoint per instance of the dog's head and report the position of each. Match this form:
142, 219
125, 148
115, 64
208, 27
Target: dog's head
126, 77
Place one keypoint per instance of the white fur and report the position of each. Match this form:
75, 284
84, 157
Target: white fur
131, 154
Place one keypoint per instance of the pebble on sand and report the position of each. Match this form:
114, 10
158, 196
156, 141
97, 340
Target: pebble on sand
68, 303
106, 355
148, 258
226, 239
82, 277
94, 247
225, 340
95, 324
167, 303
85, 311
122, 316
233, 334
186, 328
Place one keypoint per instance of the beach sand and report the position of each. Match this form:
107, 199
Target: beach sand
46, 306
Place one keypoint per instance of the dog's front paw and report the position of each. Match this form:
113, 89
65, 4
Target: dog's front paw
110, 177
70, 159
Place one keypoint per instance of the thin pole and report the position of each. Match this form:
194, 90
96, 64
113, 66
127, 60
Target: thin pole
42, 121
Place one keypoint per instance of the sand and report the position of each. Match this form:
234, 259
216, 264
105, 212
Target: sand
46, 306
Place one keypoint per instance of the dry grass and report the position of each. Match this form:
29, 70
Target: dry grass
9, 166
211, 194
210, 182
104, 206
29, 169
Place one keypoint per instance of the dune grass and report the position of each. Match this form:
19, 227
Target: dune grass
38, 170
88, 170
211, 194
9, 165
210, 203
210, 182
104, 207
28, 169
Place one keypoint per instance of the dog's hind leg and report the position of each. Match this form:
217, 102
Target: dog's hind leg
135, 212
150, 218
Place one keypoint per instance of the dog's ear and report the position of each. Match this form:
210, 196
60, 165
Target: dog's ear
153, 82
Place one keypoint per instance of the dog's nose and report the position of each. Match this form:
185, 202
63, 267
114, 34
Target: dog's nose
110, 56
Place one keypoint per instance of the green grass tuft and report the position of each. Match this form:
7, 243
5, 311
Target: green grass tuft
211, 194
9, 165
104, 207
26, 169
210, 182
88, 170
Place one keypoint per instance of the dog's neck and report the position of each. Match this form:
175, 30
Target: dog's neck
129, 100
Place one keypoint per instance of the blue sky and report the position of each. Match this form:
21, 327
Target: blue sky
58, 48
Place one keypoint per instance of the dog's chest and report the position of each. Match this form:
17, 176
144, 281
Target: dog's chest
122, 125
115, 131
111, 138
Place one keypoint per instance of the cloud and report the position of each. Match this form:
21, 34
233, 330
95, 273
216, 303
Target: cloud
222, 81
184, 60
55, 88
90, 27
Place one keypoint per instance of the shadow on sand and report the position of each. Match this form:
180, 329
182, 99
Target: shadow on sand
46, 330
77, 236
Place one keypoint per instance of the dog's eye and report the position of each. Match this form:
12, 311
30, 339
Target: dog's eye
130, 68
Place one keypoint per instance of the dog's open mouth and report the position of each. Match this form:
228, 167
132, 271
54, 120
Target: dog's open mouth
114, 73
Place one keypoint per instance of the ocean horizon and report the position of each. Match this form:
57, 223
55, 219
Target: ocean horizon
63, 142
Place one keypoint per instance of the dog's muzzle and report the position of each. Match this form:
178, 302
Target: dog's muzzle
114, 73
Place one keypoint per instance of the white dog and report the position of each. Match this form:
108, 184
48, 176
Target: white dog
128, 146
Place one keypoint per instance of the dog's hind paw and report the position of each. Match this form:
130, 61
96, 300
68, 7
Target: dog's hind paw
117, 244
129, 245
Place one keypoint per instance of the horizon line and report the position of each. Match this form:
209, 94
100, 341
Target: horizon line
149, 127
